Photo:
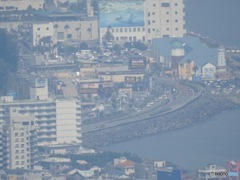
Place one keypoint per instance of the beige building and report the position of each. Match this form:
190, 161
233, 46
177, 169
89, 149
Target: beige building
20, 5
164, 18
60, 31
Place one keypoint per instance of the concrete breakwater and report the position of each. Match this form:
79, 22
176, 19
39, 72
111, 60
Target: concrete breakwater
200, 110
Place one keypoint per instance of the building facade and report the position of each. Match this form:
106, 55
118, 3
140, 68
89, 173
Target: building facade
60, 31
30, 123
20, 5
141, 20
208, 72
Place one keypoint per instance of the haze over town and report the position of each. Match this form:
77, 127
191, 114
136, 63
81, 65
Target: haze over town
107, 89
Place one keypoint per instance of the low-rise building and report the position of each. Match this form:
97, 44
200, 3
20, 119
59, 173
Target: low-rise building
21, 5
212, 171
208, 72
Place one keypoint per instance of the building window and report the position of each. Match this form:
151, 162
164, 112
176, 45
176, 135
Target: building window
167, 29
153, 29
125, 30
116, 29
149, 30
176, 4
153, 13
117, 38
69, 36
143, 29
47, 28
143, 38
165, 4
176, 29
121, 30
149, 14
22, 156
22, 162
167, 12
176, 12
149, 22
60, 36
139, 29
38, 29
153, 21
134, 29
130, 29
17, 162
130, 38
17, 152
176, 20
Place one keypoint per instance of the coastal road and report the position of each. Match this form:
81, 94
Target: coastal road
153, 112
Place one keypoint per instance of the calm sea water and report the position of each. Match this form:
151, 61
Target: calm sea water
217, 19
216, 140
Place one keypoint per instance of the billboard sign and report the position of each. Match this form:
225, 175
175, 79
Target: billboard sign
121, 14
137, 63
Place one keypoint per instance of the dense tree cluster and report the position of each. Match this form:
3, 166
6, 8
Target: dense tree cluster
8, 58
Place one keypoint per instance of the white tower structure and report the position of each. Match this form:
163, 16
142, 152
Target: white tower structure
221, 64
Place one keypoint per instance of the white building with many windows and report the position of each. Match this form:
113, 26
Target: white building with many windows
141, 20
29, 123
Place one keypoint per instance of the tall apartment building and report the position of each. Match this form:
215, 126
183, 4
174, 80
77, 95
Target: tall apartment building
142, 20
164, 18
13, 5
26, 124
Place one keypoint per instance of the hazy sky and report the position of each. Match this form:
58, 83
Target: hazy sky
218, 19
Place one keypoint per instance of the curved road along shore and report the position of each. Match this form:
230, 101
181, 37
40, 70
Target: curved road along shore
152, 112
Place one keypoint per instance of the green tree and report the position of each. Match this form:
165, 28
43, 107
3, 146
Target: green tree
84, 46
117, 49
109, 36
8, 59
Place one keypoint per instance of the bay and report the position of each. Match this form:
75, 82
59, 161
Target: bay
216, 140
217, 19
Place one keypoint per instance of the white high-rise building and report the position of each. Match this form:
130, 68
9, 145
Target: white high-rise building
26, 124
164, 18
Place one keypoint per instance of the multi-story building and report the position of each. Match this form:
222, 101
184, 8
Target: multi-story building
85, 30
141, 20
29, 123
164, 18
20, 5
